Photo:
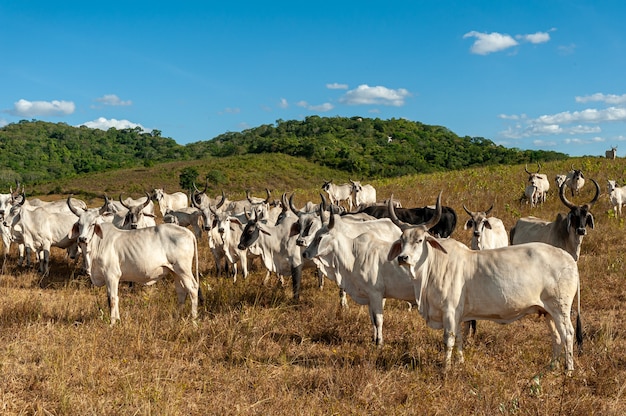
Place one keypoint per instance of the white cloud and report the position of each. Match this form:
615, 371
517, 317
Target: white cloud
487, 43
230, 110
283, 103
366, 95
539, 37
320, 108
25, 108
112, 99
605, 98
3, 122
590, 115
584, 141
337, 86
105, 124
543, 143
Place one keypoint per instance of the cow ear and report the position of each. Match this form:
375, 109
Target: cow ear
469, 224
395, 250
435, 244
589, 221
98, 230
74, 232
263, 230
487, 224
149, 215
235, 220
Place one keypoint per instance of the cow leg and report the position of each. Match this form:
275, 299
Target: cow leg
449, 336
186, 286
320, 279
296, 278
112, 287
376, 315
343, 299
244, 265
44, 261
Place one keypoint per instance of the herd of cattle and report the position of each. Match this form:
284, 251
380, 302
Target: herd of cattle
372, 250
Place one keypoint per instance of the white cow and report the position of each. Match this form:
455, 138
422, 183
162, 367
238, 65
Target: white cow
40, 229
488, 232
229, 228
362, 194
617, 196
540, 180
565, 232
140, 255
358, 263
137, 214
575, 180
173, 202
338, 193
185, 217
454, 284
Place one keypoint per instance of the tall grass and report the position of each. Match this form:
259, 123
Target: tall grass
255, 351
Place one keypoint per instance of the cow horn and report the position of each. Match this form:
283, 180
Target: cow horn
538, 167
145, 204
248, 217
526, 169
292, 206
435, 218
470, 213
123, 204
269, 196
105, 206
23, 194
71, 207
248, 196
489, 210
394, 218
284, 203
219, 204
595, 198
193, 200
564, 199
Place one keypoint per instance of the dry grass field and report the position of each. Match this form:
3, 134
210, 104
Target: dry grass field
255, 351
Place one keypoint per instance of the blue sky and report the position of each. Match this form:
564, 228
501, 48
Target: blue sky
528, 74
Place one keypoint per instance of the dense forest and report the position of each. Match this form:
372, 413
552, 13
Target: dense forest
36, 151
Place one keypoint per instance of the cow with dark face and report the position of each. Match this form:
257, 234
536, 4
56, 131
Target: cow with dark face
565, 232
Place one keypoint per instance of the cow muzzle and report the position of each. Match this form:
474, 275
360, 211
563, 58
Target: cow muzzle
581, 231
403, 260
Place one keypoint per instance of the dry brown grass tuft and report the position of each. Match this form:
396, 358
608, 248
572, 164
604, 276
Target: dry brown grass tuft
255, 351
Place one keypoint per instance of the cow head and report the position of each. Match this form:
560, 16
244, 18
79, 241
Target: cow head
326, 185
579, 216
356, 186
251, 231
157, 194
611, 186
206, 211
411, 249
478, 222
135, 212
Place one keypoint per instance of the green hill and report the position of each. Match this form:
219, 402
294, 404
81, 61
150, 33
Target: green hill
36, 152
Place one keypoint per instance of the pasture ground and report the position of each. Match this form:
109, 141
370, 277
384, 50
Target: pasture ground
255, 351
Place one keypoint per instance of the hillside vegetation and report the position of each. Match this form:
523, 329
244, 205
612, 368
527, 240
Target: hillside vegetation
256, 352
34, 152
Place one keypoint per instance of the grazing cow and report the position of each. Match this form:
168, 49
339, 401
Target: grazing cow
617, 196
454, 284
362, 194
185, 217
575, 180
611, 154
354, 255
139, 255
137, 215
173, 202
338, 193
443, 228
533, 193
40, 229
540, 180
489, 232
566, 231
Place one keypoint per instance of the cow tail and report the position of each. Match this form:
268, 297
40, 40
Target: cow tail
579, 326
